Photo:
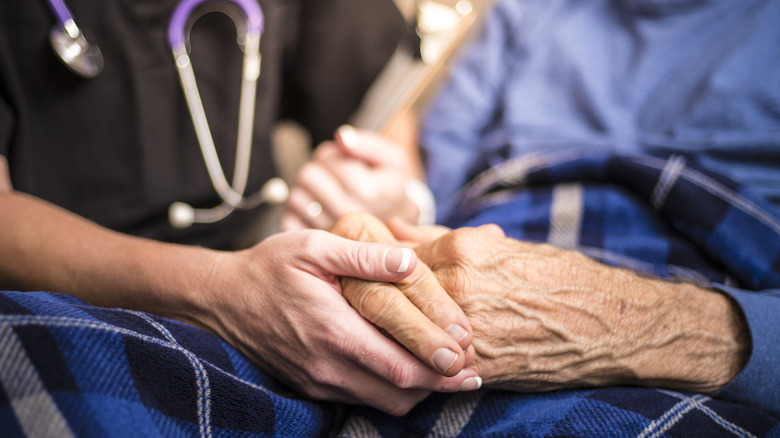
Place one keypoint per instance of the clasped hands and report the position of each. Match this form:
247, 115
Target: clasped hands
476, 307
541, 318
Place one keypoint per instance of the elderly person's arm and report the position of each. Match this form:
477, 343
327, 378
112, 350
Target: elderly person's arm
545, 318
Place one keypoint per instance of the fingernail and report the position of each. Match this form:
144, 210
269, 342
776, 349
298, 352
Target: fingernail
444, 359
397, 259
348, 136
457, 332
471, 384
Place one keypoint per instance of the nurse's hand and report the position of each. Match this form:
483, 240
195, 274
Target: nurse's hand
281, 304
416, 311
359, 171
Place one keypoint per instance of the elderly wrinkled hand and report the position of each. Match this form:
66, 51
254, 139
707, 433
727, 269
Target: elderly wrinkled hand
415, 310
545, 318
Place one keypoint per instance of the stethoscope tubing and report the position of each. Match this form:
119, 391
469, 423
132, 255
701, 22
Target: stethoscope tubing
231, 194
61, 11
250, 28
176, 30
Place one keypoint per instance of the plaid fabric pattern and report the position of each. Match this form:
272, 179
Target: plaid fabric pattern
71, 369
661, 216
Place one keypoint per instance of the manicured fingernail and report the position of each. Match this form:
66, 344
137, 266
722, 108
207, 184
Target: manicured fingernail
471, 384
348, 136
444, 359
397, 259
457, 332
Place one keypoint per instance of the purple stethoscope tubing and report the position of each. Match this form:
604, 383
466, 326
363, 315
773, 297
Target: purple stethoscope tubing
61, 11
254, 17
85, 60
176, 34
275, 190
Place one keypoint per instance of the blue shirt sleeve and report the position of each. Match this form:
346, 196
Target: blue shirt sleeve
453, 129
758, 384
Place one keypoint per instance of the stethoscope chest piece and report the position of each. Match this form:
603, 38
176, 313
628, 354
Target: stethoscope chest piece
70, 45
77, 54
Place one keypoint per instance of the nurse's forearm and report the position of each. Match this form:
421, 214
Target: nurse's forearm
44, 247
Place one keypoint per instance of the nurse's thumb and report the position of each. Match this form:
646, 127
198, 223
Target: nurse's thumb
368, 261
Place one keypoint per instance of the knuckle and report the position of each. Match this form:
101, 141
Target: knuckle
458, 283
310, 242
364, 259
324, 151
492, 229
403, 375
323, 379
458, 241
376, 302
399, 407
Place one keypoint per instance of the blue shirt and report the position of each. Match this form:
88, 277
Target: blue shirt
695, 78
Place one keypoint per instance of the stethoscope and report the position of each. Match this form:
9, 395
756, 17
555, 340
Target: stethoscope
86, 60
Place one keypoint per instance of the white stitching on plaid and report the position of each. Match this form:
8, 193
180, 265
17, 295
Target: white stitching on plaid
733, 198
731, 427
672, 170
670, 418
204, 387
456, 413
721, 191
357, 426
566, 210
514, 171
68, 322
36, 411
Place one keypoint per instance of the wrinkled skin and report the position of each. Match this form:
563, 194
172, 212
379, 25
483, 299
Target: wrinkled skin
429, 313
544, 318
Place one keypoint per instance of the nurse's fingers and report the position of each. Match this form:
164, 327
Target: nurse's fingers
416, 311
420, 315
390, 310
423, 290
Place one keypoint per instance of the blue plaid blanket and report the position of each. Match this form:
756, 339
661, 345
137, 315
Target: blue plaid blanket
71, 369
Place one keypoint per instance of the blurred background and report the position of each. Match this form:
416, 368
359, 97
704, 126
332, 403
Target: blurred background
407, 82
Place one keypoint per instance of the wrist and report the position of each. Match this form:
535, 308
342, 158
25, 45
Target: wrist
699, 342
170, 280
718, 338
195, 290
